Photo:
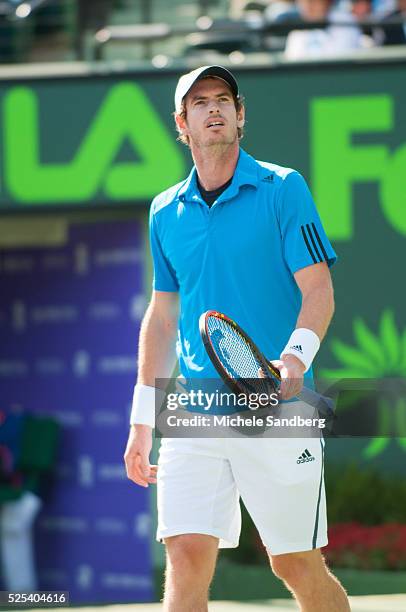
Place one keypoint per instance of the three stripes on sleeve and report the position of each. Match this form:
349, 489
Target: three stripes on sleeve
313, 243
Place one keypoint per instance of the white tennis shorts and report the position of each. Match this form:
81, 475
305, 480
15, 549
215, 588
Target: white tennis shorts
280, 480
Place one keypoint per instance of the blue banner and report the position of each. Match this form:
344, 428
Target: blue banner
69, 323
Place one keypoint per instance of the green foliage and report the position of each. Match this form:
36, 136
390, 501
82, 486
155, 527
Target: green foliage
250, 550
364, 496
368, 343
375, 355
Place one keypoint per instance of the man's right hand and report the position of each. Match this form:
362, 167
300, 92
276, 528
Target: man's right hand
136, 456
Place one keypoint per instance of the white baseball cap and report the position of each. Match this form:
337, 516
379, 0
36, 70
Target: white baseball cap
187, 81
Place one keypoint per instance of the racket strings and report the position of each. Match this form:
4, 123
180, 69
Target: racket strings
236, 355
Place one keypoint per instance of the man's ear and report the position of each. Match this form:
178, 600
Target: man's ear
180, 124
241, 117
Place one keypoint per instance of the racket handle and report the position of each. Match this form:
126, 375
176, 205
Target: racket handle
324, 405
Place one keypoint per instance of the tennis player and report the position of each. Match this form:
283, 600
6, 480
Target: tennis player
242, 237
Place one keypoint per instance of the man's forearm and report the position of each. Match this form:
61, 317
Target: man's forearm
156, 355
317, 310
314, 318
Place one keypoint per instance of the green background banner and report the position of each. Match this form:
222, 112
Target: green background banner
109, 140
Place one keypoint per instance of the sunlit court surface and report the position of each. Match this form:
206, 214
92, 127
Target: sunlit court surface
381, 603
202, 305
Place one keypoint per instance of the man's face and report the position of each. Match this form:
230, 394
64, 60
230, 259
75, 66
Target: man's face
314, 10
211, 116
361, 8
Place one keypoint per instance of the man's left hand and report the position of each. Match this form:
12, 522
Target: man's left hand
291, 370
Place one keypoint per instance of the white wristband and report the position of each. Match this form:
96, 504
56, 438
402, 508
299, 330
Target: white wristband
143, 406
303, 344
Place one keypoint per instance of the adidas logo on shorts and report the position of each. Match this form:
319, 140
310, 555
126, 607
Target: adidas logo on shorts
305, 457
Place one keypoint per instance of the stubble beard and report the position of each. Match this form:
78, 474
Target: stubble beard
215, 146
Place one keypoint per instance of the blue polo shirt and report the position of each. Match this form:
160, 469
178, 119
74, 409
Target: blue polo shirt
238, 257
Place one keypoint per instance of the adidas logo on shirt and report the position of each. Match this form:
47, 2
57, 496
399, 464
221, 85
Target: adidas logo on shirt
305, 457
297, 347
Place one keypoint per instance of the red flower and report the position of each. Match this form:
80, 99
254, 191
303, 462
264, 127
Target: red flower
367, 547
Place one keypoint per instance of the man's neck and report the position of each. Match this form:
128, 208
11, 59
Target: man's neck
215, 166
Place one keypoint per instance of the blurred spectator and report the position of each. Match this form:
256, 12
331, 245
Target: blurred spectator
383, 7
394, 34
328, 41
239, 8
281, 9
362, 10
27, 453
18, 509
17, 518
386, 33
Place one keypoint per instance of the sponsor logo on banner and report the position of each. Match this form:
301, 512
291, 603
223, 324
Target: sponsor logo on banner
112, 471
126, 581
142, 525
117, 364
17, 264
55, 262
86, 474
49, 366
84, 576
64, 524
54, 314
68, 418
53, 577
81, 364
138, 305
18, 316
91, 168
118, 257
13, 368
81, 259
111, 525
104, 311
106, 418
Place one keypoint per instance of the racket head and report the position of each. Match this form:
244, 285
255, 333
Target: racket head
235, 356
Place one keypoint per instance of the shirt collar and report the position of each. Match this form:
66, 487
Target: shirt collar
189, 187
246, 173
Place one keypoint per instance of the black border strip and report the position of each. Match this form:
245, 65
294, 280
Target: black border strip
316, 522
307, 244
320, 242
309, 231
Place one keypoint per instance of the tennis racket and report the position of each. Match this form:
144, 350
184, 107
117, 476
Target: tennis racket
238, 360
